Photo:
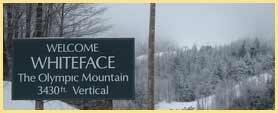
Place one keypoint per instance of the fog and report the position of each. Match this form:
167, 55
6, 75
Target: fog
188, 24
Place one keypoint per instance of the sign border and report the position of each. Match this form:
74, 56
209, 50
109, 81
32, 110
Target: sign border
86, 98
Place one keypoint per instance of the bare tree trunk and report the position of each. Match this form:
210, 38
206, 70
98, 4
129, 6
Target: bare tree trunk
28, 20
38, 28
48, 23
16, 18
9, 32
38, 33
151, 57
21, 33
8, 45
6, 63
61, 29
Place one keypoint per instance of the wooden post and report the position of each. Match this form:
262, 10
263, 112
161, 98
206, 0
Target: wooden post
39, 105
98, 105
38, 33
109, 104
151, 57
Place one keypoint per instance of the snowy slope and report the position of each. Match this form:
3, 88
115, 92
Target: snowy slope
208, 101
144, 57
28, 104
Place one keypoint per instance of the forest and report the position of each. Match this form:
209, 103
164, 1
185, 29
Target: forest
239, 75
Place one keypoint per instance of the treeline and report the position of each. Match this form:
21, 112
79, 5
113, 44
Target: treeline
208, 66
201, 72
191, 74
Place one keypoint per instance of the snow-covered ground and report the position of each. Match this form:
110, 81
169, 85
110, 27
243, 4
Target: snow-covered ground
184, 105
10, 104
208, 101
176, 105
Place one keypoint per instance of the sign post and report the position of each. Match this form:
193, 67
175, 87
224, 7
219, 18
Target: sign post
80, 68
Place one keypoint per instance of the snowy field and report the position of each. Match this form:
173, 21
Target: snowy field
10, 104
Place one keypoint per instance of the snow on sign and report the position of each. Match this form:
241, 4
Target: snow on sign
79, 68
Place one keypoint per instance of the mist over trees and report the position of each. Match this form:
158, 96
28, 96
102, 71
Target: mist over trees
232, 76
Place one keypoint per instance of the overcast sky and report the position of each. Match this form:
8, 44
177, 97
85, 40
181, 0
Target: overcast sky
189, 24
